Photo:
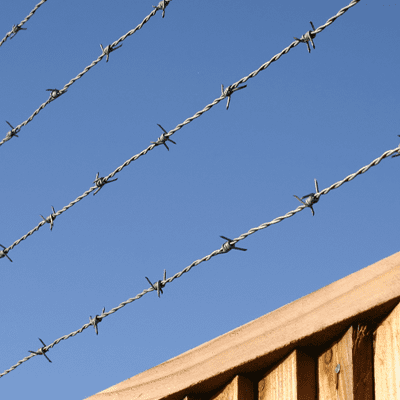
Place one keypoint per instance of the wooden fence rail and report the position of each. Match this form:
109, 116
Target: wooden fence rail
340, 342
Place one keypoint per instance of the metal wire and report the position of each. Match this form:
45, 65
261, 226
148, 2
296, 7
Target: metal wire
105, 53
165, 136
229, 90
16, 28
226, 247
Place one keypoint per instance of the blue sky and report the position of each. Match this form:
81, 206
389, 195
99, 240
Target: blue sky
322, 115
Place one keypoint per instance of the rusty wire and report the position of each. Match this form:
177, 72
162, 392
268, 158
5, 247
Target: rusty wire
105, 53
225, 248
225, 93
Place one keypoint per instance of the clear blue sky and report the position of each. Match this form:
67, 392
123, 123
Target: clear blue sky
321, 115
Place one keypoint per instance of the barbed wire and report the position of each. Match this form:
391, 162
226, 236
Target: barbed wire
55, 93
16, 28
225, 248
225, 93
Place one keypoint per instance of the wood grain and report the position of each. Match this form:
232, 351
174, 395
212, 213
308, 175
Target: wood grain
387, 357
293, 378
309, 321
352, 354
240, 388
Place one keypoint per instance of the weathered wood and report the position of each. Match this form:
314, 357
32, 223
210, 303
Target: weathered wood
345, 368
363, 361
387, 356
309, 321
239, 388
293, 378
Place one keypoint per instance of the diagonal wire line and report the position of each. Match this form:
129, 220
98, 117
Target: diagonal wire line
16, 28
106, 52
222, 250
178, 127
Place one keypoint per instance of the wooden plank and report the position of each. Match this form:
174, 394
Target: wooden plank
309, 321
363, 360
345, 368
387, 357
293, 378
240, 388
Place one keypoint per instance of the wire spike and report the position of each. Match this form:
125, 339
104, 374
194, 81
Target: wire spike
228, 245
308, 37
41, 351
161, 6
159, 284
100, 182
311, 198
55, 93
3, 253
13, 131
15, 30
50, 219
94, 321
162, 139
228, 92
108, 50
398, 152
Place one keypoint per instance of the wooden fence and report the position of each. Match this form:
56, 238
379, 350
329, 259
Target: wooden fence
340, 342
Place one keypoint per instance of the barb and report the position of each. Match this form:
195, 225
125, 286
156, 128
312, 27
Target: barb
100, 182
223, 250
159, 284
308, 37
50, 219
105, 52
161, 6
162, 139
16, 28
229, 245
94, 321
397, 155
55, 93
187, 121
3, 253
42, 351
228, 92
312, 198
108, 50
13, 131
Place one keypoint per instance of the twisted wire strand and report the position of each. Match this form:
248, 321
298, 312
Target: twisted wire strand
336, 185
236, 84
208, 257
90, 66
19, 26
294, 44
179, 126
